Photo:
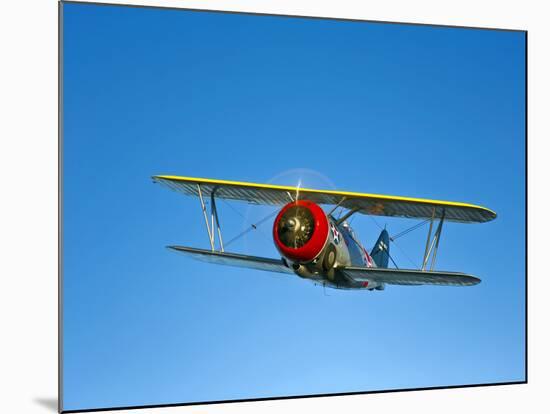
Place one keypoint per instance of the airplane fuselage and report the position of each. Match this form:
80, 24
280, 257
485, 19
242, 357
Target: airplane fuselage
315, 245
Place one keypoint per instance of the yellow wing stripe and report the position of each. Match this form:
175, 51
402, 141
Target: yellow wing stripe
353, 199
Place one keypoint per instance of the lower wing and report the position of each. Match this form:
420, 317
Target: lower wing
408, 277
234, 259
358, 274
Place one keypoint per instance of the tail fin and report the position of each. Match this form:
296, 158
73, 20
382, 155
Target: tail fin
381, 251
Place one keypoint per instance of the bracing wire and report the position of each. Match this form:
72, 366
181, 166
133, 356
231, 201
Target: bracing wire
391, 258
233, 208
406, 255
400, 234
253, 226
392, 238
407, 231
376, 222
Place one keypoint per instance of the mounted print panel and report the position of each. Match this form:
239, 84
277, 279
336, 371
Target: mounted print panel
260, 206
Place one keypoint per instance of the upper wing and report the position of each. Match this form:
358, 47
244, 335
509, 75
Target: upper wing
233, 259
409, 277
374, 204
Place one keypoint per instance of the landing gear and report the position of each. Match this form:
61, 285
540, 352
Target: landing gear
330, 258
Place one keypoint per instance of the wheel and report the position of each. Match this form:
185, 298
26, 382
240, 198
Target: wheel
330, 258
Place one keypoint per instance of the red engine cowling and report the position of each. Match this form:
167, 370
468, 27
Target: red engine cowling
300, 231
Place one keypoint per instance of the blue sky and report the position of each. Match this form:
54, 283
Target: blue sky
393, 109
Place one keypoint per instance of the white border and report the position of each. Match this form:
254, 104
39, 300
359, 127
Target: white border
28, 207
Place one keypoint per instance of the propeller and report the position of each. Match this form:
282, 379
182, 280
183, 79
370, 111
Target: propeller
295, 222
298, 190
258, 215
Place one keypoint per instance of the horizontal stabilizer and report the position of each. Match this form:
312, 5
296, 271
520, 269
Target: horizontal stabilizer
408, 277
234, 259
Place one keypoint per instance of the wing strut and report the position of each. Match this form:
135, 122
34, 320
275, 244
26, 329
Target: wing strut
214, 220
432, 243
347, 216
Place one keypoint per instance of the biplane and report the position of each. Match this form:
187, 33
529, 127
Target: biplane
321, 247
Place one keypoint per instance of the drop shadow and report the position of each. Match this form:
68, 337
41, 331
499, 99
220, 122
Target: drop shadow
49, 403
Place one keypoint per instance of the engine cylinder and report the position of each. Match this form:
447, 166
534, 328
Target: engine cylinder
300, 231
